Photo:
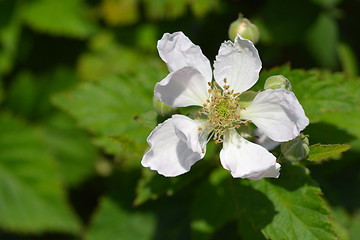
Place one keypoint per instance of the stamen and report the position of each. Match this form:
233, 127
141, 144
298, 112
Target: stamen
222, 110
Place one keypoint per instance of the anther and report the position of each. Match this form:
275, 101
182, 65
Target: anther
200, 129
209, 83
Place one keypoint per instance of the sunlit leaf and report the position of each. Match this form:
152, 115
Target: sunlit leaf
112, 106
61, 18
299, 211
128, 144
119, 12
32, 198
289, 207
320, 151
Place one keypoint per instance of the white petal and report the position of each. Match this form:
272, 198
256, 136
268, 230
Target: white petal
239, 63
188, 131
277, 113
272, 172
245, 159
182, 88
264, 140
168, 155
178, 51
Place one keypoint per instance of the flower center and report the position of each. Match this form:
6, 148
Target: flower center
222, 110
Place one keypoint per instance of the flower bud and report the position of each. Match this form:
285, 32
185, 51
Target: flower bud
162, 108
296, 149
245, 28
277, 81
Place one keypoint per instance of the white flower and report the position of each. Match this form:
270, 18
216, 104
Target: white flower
180, 141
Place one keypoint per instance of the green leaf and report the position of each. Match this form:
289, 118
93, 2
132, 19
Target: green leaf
289, 207
122, 12
71, 147
201, 7
113, 106
1, 91
319, 152
107, 58
111, 221
348, 223
128, 144
213, 205
328, 97
285, 208
32, 198
162, 9
9, 34
22, 95
319, 92
348, 60
299, 211
153, 185
325, 52
327, 3
284, 32
61, 18
28, 95
354, 225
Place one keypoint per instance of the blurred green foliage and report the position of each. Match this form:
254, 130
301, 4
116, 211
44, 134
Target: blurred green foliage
76, 88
